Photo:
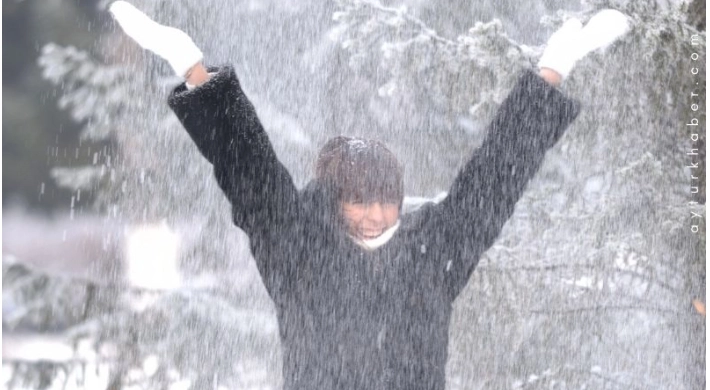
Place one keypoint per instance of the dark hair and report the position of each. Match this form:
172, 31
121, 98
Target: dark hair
361, 170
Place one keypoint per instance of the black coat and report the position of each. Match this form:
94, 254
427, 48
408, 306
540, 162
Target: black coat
350, 318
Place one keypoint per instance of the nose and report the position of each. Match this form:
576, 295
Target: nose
375, 212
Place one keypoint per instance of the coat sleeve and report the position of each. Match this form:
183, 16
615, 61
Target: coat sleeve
224, 125
483, 196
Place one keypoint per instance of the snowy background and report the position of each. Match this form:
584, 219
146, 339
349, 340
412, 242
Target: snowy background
139, 281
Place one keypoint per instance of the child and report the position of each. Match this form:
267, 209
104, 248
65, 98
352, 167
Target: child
363, 294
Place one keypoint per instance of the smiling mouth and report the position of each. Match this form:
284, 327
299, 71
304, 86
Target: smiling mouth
369, 236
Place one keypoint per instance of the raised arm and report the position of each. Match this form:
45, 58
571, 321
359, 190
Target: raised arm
483, 196
528, 123
224, 125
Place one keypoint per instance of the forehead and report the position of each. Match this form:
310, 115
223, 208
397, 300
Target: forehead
356, 208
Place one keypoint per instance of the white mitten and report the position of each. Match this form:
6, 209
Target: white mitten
602, 30
572, 42
172, 44
559, 54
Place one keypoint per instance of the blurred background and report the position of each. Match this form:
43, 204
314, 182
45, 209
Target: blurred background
121, 268
33, 124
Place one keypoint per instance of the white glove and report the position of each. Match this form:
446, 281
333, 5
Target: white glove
572, 42
172, 44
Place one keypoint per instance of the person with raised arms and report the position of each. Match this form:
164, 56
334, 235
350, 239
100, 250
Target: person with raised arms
363, 292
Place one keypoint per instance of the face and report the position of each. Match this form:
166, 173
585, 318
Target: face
369, 220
